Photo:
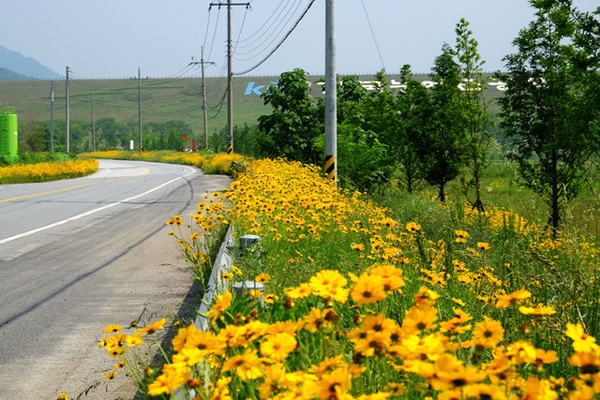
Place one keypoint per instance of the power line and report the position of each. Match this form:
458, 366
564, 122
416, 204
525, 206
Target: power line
279, 44
373, 34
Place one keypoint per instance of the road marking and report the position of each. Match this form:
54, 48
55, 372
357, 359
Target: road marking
51, 192
85, 214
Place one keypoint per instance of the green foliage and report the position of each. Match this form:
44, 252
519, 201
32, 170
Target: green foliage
478, 137
291, 130
551, 103
440, 146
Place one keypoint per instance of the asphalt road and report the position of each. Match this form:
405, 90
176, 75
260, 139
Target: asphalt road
77, 255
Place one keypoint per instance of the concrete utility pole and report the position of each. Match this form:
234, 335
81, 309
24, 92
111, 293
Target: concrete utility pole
140, 106
229, 73
330, 93
67, 116
202, 62
52, 116
93, 121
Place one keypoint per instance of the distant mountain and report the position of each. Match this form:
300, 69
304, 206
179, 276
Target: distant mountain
23, 67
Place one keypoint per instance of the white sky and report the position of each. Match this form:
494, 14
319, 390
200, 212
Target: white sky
112, 38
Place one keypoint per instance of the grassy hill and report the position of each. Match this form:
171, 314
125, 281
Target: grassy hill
161, 99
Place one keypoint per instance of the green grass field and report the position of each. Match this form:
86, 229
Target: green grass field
162, 100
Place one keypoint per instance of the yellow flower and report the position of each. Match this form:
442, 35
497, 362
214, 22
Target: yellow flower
172, 377
368, 289
110, 375
152, 328
357, 246
582, 342
330, 284
227, 276
113, 328
488, 333
247, 366
236, 270
63, 396
508, 299
263, 278
483, 246
278, 346
538, 310
222, 302
413, 227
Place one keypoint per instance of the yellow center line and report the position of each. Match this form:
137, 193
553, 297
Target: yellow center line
57, 191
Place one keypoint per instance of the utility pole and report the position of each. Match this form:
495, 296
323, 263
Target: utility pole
67, 116
140, 107
202, 62
229, 73
93, 122
330, 93
52, 116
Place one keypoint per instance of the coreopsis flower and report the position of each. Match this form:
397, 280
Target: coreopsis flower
419, 319
537, 310
316, 321
246, 366
189, 356
429, 347
110, 376
172, 377
413, 227
120, 364
357, 246
545, 357
450, 372
134, 340
392, 276
485, 391
521, 352
582, 342
278, 346
113, 328
63, 396
222, 302
483, 246
330, 284
368, 289
328, 365
152, 328
588, 362
487, 333
300, 292
426, 296
263, 278
507, 300
227, 276
332, 385
461, 236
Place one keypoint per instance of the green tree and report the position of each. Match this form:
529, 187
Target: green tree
440, 146
293, 127
478, 137
550, 109
409, 125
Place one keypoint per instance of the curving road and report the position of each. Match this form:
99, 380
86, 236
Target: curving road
77, 255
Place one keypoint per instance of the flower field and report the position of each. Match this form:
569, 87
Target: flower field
360, 302
47, 171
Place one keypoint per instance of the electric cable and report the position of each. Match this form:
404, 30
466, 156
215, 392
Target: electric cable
373, 34
278, 45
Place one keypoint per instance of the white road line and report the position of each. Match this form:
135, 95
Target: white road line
85, 214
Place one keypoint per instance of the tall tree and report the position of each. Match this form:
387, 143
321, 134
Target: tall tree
408, 124
550, 109
440, 147
291, 130
478, 137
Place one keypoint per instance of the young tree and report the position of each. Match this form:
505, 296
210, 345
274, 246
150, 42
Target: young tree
291, 130
478, 137
550, 109
440, 147
409, 124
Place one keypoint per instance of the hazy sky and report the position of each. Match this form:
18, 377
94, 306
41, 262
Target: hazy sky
112, 38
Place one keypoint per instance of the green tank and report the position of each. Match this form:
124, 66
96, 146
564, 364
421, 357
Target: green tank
9, 137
